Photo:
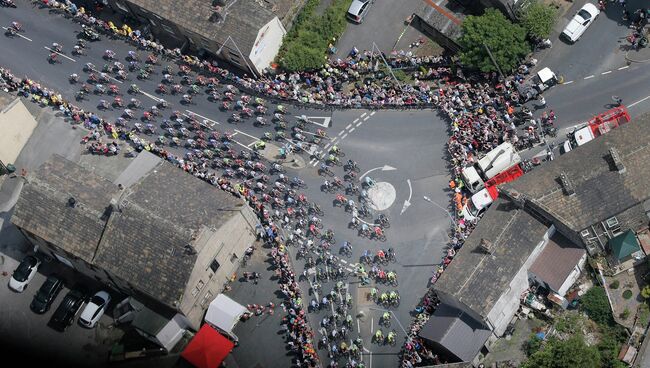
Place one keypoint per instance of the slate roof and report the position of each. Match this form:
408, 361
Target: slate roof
477, 278
440, 17
456, 331
600, 191
143, 240
242, 19
556, 262
43, 207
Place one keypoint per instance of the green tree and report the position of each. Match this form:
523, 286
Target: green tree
571, 353
538, 20
533, 345
506, 41
608, 348
645, 292
595, 303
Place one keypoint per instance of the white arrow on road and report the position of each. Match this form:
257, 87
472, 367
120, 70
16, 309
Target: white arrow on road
382, 168
324, 124
407, 202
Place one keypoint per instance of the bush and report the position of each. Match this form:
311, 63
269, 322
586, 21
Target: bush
645, 292
596, 305
615, 284
627, 294
644, 315
304, 47
625, 314
572, 352
533, 344
538, 20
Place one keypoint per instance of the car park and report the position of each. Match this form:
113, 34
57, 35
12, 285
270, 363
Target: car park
24, 273
580, 22
67, 310
95, 309
358, 10
46, 294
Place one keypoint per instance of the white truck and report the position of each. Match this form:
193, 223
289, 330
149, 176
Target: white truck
494, 162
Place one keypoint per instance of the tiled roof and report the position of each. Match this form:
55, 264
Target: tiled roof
600, 191
556, 262
242, 18
43, 207
477, 278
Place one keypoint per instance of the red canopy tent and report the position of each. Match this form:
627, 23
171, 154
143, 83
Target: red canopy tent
208, 348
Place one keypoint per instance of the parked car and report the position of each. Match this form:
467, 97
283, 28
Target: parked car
579, 23
358, 10
46, 295
24, 273
67, 310
95, 309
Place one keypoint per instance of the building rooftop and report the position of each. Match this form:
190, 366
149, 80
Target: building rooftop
146, 238
241, 19
478, 278
600, 190
445, 16
556, 262
44, 208
459, 333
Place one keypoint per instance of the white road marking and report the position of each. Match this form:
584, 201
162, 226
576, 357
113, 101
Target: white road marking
58, 53
623, 67
326, 146
151, 96
373, 113
569, 82
589, 77
366, 118
607, 72
349, 125
358, 327
364, 114
355, 120
203, 117
344, 135
250, 144
312, 161
314, 164
246, 134
638, 102
352, 130
341, 132
248, 148
372, 325
359, 124
18, 34
344, 261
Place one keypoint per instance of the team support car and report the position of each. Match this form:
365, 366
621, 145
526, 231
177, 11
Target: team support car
95, 309
24, 273
46, 295
358, 10
579, 23
67, 310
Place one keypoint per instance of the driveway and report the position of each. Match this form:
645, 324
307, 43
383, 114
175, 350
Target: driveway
382, 25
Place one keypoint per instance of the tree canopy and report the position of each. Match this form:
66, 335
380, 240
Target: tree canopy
538, 20
595, 303
571, 353
506, 41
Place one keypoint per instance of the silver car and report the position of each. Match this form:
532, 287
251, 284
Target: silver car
358, 10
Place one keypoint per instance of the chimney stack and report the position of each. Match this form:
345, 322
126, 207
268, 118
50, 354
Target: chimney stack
616, 158
567, 184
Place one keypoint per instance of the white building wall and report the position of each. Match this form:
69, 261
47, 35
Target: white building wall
508, 304
267, 44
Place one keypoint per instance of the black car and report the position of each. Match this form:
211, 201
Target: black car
67, 310
46, 295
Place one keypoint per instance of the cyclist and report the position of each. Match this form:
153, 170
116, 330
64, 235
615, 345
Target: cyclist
379, 336
385, 318
393, 296
373, 293
391, 275
381, 255
383, 298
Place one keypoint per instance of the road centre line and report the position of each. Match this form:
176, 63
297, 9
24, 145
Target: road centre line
349, 125
569, 82
607, 72
18, 34
326, 146
623, 67
359, 124
344, 135
638, 102
203, 117
355, 120
364, 114
589, 77
341, 132
352, 130
366, 118
58, 53
373, 113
